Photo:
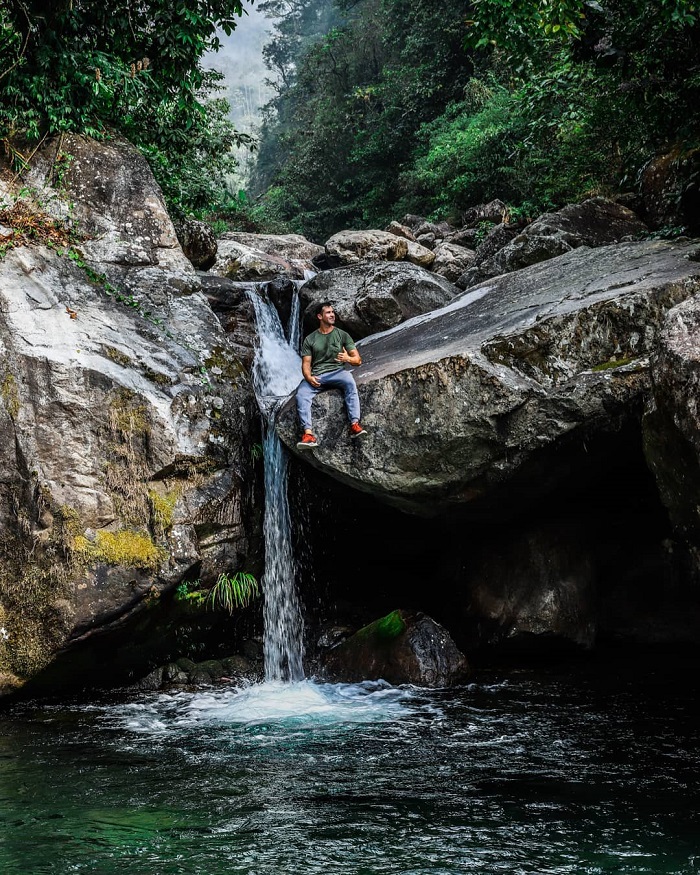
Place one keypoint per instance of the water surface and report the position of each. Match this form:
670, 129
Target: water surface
537, 772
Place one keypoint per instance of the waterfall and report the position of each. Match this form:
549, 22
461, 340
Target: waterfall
276, 372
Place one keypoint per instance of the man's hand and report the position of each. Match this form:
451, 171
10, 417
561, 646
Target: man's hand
306, 372
350, 358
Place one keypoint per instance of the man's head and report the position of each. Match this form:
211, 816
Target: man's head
325, 313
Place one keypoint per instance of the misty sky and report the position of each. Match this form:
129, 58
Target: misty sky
240, 60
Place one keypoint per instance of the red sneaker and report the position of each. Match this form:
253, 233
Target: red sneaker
356, 430
307, 441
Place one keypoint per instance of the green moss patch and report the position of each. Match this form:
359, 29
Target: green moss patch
385, 629
614, 363
10, 395
163, 508
126, 547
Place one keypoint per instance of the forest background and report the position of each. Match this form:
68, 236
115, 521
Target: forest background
379, 107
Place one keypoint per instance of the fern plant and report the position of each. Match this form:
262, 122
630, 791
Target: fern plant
233, 591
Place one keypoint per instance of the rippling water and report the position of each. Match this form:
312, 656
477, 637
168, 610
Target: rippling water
539, 773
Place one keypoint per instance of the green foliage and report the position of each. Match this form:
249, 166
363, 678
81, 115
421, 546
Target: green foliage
190, 591
338, 133
233, 591
74, 65
538, 102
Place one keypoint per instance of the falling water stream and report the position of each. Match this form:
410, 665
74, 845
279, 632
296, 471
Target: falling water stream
276, 372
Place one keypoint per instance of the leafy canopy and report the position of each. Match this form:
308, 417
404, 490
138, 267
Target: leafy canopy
132, 66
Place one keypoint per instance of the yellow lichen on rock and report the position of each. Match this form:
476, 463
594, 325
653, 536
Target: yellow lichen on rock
163, 507
10, 395
126, 547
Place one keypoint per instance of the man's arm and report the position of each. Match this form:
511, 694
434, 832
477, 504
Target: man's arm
349, 358
306, 371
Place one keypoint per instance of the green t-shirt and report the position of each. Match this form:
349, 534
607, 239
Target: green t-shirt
323, 349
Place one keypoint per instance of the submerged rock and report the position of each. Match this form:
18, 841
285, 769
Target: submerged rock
405, 647
461, 399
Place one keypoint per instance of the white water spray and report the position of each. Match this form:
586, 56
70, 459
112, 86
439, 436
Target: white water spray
276, 372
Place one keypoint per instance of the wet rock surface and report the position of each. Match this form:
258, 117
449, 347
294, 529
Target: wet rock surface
405, 647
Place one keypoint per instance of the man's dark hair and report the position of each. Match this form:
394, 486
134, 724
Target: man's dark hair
319, 307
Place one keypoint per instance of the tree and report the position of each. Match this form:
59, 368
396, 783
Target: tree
132, 66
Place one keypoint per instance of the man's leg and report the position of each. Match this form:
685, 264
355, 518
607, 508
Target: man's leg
305, 395
344, 380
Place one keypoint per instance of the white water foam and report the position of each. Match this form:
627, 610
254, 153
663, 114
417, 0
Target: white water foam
274, 705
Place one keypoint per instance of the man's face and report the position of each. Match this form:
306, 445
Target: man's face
327, 316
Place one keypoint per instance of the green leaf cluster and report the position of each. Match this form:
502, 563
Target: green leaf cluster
233, 591
131, 67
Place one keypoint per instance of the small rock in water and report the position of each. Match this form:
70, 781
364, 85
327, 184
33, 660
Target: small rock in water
405, 647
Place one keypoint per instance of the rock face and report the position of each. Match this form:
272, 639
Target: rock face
125, 422
198, 242
594, 222
108, 192
672, 420
260, 257
543, 584
463, 398
402, 648
374, 296
230, 302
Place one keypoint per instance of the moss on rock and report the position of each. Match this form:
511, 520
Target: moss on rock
126, 547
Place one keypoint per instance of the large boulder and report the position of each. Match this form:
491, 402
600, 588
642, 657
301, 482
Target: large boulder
462, 399
374, 296
107, 193
452, 260
494, 211
260, 257
672, 421
351, 247
670, 189
594, 222
198, 242
405, 647
125, 422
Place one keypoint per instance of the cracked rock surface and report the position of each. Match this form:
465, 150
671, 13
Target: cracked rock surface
125, 428
466, 397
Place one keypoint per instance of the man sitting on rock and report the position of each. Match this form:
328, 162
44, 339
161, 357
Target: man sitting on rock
323, 354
